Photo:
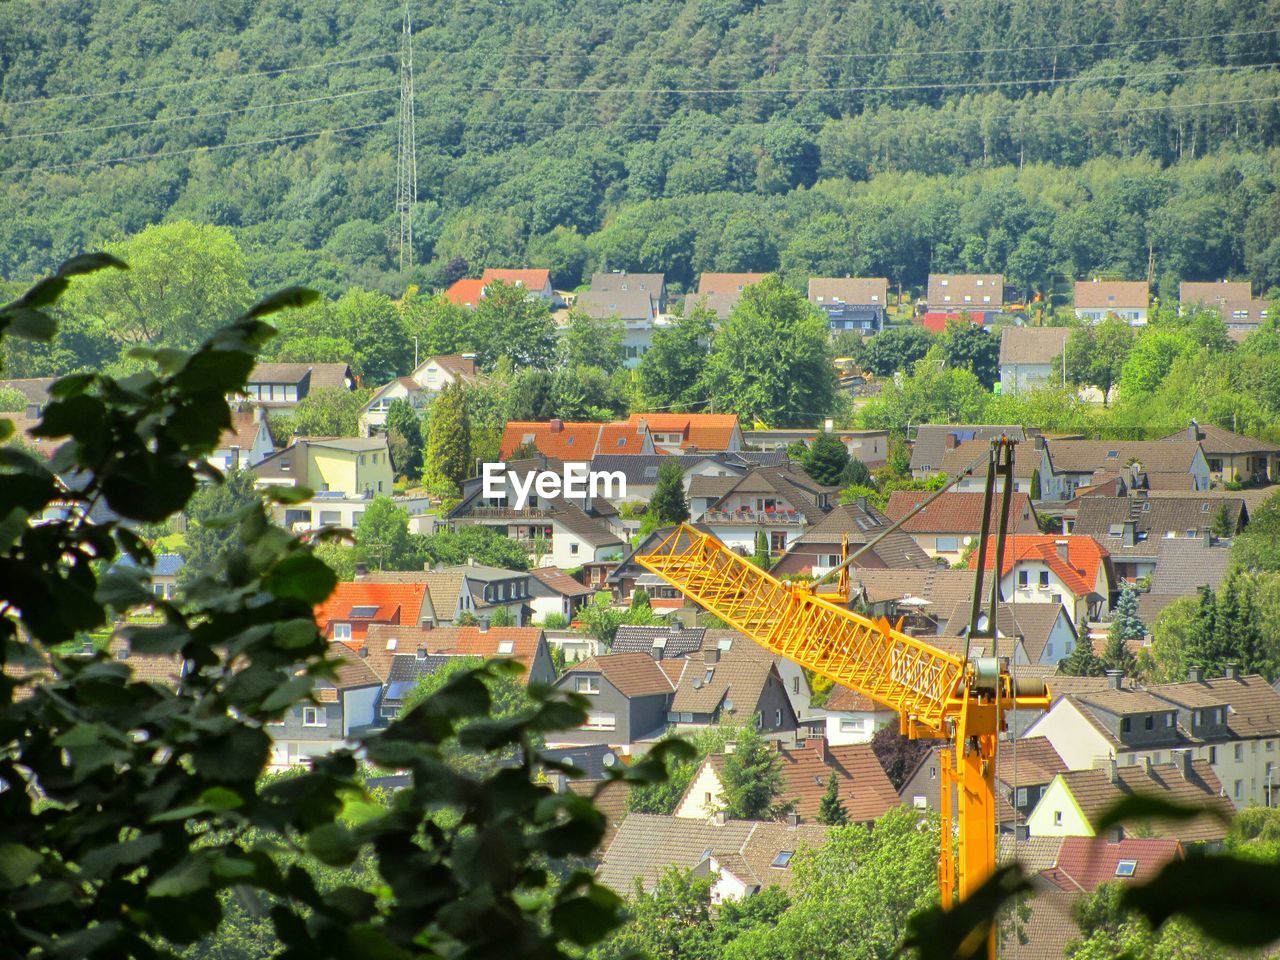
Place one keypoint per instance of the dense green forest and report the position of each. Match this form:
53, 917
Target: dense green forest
1043, 138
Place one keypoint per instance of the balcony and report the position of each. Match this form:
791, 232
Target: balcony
507, 513
755, 517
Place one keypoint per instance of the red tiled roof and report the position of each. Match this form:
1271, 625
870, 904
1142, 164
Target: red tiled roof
703, 431
566, 440
465, 293
937, 322
393, 603
242, 432
529, 279
844, 700
956, 512
1086, 862
1079, 572
730, 283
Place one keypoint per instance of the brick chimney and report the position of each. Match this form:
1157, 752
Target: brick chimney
658, 649
557, 425
1109, 765
1193, 431
793, 820
720, 818
711, 656
951, 441
1021, 833
362, 571
1185, 759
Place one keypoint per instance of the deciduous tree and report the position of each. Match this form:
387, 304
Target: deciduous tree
448, 457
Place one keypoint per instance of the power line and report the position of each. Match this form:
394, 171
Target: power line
192, 83
193, 116
882, 88
941, 51
175, 153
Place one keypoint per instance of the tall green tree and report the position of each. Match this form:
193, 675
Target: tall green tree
509, 322
895, 349
1258, 546
752, 779
669, 373
831, 809
448, 457
592, 342
1096, 354
404, 437
770, 360
373, 324
1126, 626
332, 412
382, 536
210, 538
1082, 661
968, 346
825, 459
855, 474
668, 504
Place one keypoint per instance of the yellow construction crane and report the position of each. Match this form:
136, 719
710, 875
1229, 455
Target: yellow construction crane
936, 694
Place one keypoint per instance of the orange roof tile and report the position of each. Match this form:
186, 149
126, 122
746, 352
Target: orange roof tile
529, 279
1079, 571
465, 293
566, 440
390, 603
703, 431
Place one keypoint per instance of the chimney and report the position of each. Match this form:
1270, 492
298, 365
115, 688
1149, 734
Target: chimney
363, 652
422, 653
1185, 763
1037, 443
820, 747
362, 571
656, 651
1061, 547
1208, 537
1113, 772
1231, 671
720, 818
257, 414
952, 441
711, 656
557, 425
1146, 766
1130, 533
1021, 833
793, 820
1115, 679
862, 504
483, 626
1195, 673
1193, 431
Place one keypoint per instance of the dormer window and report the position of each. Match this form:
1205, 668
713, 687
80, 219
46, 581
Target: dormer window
506, 646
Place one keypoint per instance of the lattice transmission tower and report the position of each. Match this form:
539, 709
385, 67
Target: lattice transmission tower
406, 146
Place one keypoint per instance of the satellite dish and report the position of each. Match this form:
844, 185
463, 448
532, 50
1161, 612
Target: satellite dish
728, 705
983, 621
697, 683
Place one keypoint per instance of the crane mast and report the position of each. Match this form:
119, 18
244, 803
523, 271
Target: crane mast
936, 694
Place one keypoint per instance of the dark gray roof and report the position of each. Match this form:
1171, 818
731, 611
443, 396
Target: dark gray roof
642, 469
788, 481
930, 444
862, 523
593, 759
676, 641
1154, 519
1185, 565
588, 528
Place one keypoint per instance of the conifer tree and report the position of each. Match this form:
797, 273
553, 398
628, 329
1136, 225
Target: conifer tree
1126, 625
448, 438
825, 459
752, 778
831, 811
1082, 661
855, 474
761, 557
668, 503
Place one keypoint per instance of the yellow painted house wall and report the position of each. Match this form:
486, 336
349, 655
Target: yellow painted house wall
344, 470
695, 806
1044, 821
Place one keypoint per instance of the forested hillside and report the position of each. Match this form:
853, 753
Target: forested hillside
1041, 138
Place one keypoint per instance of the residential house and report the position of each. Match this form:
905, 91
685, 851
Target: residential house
851, 303
921, 789
780, 503
1075, 801
1232, 724
1074, 571
1211, 295
675, 641
1133, 528
574, 443
1233, 457
1038, 633
466, 292
744, 856
163, 669
912, 594
162, 575
340, 707
353, 607
711, 689
552, 591
953, 522
849, 717
1150, 464
536, 281
1244, 316
526, 646
36, 392
934, 440
1182, 567
627, 575
820, 543
244, 444
720, 292
1127, 299
345, 473
466, 590
871, 447
980, 295
1031, 357
688, 432
640, 471
1085, 863
1024, 769
639, 315
630, 695
279, 386
426, 381
555, 531
970, 458
654, 284
864, 788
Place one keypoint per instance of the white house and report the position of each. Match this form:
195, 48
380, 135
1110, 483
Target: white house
1127, 299
1071, 570
1153, 464
850, 717
426, 381
1031, 357
246, 443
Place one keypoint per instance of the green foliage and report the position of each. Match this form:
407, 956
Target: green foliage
668, 504
502, 617
932, 393
212, 534
967, 346
761, 557
338, 557
825, 459
12, 401
1097, 352
1082, 661
508, 322
855, 474
592, 342
1126, 625
831, 809
668, 377
662, 798
555, 621
1258, 547
471, 542
382, 536
769, 361
327, 413
448, 457
404, 438
602, 619
752, 779
125, 844
896, 349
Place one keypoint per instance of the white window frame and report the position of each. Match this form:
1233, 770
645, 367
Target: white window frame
317, 717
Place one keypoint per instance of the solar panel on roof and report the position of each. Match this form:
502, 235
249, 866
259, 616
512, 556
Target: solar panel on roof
364, 611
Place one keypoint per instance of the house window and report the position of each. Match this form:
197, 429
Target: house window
946, 544
1057, 818
342, 631
919, 802
795, 688
507, 646
573, 549
1021, 797
314, 717
1168, 719
586, 684
853, 725
1044, 579
1126, 868
777, 541
777, 718
783, 858
1239, 753
933, 773
1149, 722
1048, 650
706, 798
1022, 579
598, 720
1126, 724
1213, 755
1239, 791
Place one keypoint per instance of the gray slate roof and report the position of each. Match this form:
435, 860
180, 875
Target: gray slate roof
931, 440
676, 641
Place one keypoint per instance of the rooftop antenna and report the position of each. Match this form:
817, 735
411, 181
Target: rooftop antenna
407, 154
